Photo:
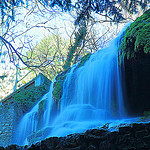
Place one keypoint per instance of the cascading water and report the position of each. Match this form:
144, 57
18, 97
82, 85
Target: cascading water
92, 94
29, 123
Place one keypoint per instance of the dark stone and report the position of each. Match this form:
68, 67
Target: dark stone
137, 81
141, 134
14, 147
1, 148
34, 147
91, 147
49, 143
138, 126
135, 137
95, 134
123, 139
95, 137
111, 137
125, 130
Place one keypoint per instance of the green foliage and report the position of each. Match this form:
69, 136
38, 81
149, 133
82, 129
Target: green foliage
79, 38
26, 99
41, 106
84, 59
52, 51
110, 8
145, 117
58, 86
137, 37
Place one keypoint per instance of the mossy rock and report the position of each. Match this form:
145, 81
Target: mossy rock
84, 59
137, 37
145, 117
26, 99
42, 106
58, 86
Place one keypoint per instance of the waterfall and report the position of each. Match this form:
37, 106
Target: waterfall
29, 122
92, 94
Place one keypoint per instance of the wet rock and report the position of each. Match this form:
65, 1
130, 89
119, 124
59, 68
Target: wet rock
91, 147
125, 130
141, 134
96, 134
2, 148
14, 147
139, 126
127, 138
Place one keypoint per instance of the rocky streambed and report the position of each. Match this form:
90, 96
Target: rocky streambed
135, 136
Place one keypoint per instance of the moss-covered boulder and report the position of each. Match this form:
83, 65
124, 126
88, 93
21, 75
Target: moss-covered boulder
137, 37
84, 59
136, 52
58, 86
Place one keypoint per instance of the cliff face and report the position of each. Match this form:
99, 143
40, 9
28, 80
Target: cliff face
136, 53
137, 79
6, 123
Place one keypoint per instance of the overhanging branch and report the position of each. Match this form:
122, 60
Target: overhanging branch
12, 51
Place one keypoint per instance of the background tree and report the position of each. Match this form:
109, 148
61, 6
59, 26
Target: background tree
53, 48
18, 37
111, 10
87, 16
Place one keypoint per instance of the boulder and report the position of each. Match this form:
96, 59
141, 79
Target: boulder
135, 49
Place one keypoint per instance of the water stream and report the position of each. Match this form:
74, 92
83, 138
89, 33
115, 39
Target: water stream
92, 95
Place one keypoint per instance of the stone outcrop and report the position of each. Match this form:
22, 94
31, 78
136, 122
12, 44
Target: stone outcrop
6, 123
137, 78
135, 136
135, 50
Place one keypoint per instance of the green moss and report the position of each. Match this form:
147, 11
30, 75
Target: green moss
145, 117
41, 109
58, 86
137, 37
42, 106
84, 59
26, 99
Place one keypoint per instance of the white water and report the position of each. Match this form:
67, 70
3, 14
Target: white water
92, 95
29, 122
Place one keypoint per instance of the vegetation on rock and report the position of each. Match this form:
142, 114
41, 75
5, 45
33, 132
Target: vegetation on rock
137, 37
84, 59
41, 106
58, 86
145, 117
26, 99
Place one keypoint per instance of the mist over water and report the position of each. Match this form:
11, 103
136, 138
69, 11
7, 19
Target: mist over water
92, 95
